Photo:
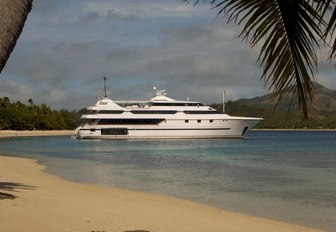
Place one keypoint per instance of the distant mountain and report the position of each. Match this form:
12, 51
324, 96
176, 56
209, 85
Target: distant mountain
322, 110
324, 98
324, 101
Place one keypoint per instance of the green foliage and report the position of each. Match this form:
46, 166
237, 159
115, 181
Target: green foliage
18, 116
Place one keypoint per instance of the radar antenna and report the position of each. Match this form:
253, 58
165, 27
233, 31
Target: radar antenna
159, 92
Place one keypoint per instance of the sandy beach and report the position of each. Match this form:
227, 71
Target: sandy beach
15, 133
49, 203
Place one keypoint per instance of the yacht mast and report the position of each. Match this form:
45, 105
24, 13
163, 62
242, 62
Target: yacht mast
105, 78
223, 101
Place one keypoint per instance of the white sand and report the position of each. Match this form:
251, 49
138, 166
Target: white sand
14, 133
48, 203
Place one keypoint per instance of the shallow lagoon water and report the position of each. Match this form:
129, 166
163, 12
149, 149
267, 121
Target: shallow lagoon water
283, 175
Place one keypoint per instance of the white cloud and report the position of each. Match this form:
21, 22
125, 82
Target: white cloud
16, 91
143, 9
67, 46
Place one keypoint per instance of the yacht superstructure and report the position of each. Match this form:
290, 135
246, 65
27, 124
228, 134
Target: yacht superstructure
160, 117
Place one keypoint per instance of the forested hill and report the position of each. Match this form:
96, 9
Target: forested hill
322, 110
324, 100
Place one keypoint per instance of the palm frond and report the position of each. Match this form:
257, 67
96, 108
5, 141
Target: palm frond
289, 32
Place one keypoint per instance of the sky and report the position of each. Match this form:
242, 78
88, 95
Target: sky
67, 46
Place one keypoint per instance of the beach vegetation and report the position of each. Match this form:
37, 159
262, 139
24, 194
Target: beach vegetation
19, 116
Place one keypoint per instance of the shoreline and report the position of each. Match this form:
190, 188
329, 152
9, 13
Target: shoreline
49, 203
34, 133
9, 134
37, 133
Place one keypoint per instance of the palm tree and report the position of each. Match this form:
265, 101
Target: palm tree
13, 14
290, 31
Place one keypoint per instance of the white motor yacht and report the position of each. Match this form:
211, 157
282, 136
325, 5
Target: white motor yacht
160, 117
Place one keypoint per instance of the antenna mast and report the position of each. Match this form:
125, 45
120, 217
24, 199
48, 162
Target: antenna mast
105, 78
223, 101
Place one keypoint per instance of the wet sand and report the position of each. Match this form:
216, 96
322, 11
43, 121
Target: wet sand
49, 203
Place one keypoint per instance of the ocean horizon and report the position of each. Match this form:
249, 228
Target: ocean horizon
282, 175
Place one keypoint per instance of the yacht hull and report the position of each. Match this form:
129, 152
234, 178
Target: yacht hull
234, 129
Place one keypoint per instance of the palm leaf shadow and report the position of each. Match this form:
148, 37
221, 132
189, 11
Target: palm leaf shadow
13, 187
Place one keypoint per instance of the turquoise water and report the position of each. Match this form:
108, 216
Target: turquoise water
287, 176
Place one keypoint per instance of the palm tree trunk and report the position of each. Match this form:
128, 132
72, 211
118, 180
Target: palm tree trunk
13, 14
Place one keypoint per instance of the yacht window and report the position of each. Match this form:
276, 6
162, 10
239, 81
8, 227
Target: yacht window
211, 121
200, 112
176, 104
91, 112
121, 121
91, 121
114, 131
186, 121
199, 121
110, 111
92, 130
153, 111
